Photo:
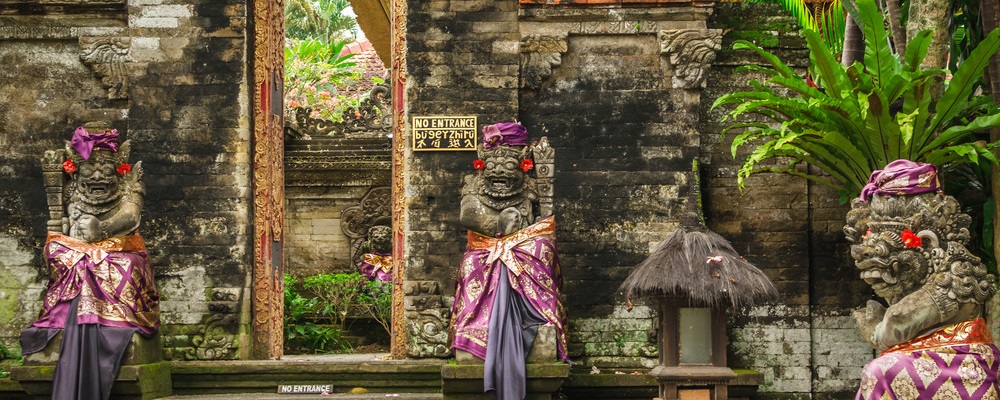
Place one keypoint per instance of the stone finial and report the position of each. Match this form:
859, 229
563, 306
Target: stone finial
107, 56
690, 52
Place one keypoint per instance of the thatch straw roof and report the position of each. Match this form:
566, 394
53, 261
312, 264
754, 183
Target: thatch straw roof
699, 264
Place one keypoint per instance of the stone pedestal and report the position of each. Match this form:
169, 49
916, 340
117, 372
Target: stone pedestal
465, 382
545, 375
143, 375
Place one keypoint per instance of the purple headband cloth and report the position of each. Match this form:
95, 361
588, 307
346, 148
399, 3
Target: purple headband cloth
509, 133
84, 142
902, 177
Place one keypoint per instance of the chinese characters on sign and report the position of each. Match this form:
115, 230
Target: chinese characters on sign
445, 133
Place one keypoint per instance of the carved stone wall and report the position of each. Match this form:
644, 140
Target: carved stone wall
172, 77
325, 176
622, 166
623, 94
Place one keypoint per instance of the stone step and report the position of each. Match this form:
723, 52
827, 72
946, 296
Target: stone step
371, 372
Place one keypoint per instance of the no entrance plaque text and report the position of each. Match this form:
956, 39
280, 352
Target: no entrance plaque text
440, 132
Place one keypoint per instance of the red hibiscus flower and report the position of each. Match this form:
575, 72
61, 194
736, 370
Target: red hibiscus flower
527, 164
910, 239
69, 167
124, 169
479, 165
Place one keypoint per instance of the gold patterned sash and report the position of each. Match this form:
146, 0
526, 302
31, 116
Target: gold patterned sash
381, 263
503, 248
973, 331
97, 251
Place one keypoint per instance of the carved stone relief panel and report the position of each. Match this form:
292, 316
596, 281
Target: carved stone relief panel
427, 314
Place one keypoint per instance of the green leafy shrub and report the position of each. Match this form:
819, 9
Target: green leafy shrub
336, 293
317, 309
302, 334
376, 300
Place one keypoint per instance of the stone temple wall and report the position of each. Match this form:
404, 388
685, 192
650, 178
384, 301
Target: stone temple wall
172, 77
625, 112
621, 99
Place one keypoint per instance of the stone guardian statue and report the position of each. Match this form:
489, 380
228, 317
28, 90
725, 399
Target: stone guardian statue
909, 243
101, 288
509, 280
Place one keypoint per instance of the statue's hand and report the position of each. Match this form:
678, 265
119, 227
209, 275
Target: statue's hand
89, 228
509, 221
868, 318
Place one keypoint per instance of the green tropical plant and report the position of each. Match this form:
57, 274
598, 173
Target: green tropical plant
826, 18
863, 116
314, 73
323, 20
302, 333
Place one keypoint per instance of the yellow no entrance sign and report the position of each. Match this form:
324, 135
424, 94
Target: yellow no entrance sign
445, 132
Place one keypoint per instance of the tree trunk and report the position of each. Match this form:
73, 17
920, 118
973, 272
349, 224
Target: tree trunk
933, 15
895, 16
854, 43
990, 11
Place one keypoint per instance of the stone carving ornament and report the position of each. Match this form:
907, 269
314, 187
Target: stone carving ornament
370, 117
107, 57
909, 243
539, 55
690, 53
367, 224
427, 314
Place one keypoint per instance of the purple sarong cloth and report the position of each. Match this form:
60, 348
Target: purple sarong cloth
99, 295
902, 177
959, 364
529, 259
376, 266
113, 278
90, 357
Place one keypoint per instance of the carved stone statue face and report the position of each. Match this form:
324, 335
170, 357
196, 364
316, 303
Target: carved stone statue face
502, 177
98, 181
888, 266
380, 238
